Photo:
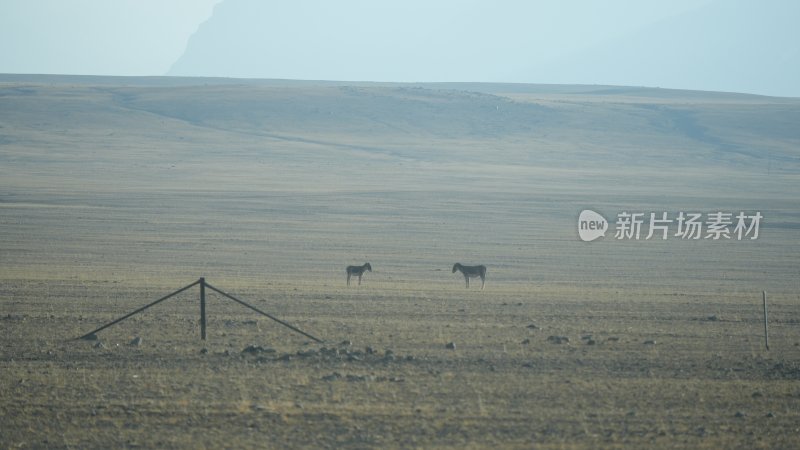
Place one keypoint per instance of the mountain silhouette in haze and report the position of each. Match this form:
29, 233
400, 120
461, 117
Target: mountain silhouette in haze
723, 45
352, 40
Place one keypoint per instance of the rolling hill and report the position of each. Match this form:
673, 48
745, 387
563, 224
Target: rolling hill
522, 125
520, 160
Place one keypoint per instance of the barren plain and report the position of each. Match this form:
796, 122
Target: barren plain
117, 191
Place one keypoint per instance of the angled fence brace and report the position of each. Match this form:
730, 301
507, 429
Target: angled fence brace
203, 286
87, 335
263, 313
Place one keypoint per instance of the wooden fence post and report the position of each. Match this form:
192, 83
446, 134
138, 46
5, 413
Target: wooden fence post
766, 329
203, 308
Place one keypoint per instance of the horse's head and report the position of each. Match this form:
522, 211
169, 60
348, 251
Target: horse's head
456, 266
368, 266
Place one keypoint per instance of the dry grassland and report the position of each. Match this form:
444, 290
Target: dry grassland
115, 192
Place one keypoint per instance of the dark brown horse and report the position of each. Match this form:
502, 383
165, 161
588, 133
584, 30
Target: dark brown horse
357, 270
471, 272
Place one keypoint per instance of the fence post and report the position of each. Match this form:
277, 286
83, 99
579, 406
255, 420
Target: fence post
203, 308
766, 330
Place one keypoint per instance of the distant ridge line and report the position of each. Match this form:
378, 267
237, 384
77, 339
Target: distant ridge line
484, 87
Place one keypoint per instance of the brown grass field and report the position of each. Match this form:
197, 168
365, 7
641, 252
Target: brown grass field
117, 191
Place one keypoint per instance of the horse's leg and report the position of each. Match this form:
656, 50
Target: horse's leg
466, 279
359, 278
483, 282
348, 278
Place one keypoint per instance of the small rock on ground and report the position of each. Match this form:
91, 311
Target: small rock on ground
558, 339
257, 349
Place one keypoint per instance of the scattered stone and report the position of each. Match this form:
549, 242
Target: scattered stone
613, 339
332, 377
450, 346
388, 352
409, 358
757, 394
307, 353
203, 351
586, 337
525, 341
90, 337
346, 343
353, 357
740, 414
532, 327
369, 350
590, 342
99, 345
285, 357
558, 339
770, 414
329, 351
712, 318
649, 342
137, 341
528, 365
397, 379
253, 349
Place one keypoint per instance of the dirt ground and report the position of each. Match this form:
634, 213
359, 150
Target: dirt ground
658, 371
114, 196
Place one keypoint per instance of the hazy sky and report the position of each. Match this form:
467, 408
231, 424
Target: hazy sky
145, 37
97, 37
734, 45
